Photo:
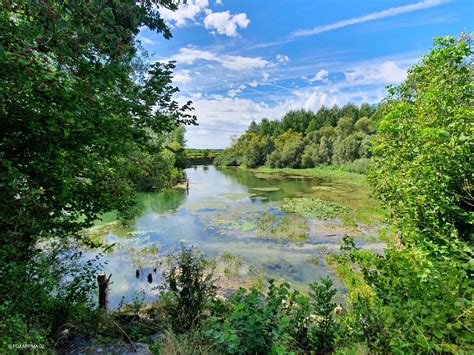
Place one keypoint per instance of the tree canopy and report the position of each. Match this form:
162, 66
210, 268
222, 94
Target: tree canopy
76, 98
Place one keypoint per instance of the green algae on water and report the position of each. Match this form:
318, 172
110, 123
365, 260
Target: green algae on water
266, 189
314, 208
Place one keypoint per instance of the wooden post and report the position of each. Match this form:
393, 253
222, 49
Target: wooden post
103, 289
187, 187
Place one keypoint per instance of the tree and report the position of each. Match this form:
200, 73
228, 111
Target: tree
350, 110
424, 147
423, 170
76, 99
344, 126
257, 150
297, 121
288, 150
364, 125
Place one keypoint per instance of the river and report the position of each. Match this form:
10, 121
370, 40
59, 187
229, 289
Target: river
235, 217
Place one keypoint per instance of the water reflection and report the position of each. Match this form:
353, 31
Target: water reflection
227, 211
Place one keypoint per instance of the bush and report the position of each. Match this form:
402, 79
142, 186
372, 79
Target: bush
187, 289
252, 322
55, 289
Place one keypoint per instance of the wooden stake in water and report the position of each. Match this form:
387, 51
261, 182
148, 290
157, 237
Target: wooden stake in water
103, 289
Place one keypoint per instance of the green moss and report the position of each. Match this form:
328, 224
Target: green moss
266, 189
314, 208
313, 259
242, 225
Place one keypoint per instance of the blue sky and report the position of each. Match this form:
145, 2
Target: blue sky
242, 60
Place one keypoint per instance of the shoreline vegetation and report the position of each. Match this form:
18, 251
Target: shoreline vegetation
88, 121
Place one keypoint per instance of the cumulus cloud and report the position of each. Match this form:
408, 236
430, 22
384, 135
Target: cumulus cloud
224, 23
282, 58
321, 75
221, 117
186, 12
190, 55
393, 11
386, 72
235, 92
253, 83
182, 77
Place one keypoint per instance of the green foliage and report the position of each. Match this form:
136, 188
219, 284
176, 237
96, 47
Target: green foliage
314, 208
253, 322
423, 171
162, 165
424, 149
187, 289
201, 156
302, 139
55, 289
78, 108
288, 150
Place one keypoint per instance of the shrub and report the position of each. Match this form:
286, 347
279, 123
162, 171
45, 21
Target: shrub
187, 289
252, 322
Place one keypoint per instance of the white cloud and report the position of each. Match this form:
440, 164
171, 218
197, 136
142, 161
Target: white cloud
320, 76
282, 58
186, 12
181, 77
219, 2
190, 55
225, 23
265, 76
386, 72
253, 83
235, 92
222, 117
393, 11
145, 40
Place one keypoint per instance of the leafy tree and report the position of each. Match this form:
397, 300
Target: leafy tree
325, 151
423, 171
76, 101
350, 110
366, 110
297, 121
288, 150
424, 147
344, 126
364, 125
310, 155
257, 151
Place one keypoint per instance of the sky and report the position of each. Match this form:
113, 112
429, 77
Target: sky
243, 60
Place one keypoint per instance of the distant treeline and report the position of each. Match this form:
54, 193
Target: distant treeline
304, 139
201, 156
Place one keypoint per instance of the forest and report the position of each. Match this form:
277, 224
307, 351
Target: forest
303, 139
88, 124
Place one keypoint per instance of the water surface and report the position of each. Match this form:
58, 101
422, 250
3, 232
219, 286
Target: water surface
233, 216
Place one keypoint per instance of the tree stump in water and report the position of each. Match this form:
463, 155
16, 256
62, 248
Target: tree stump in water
103, 289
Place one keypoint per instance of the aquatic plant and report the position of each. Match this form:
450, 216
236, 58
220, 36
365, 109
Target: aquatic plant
266, 189
314, 208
